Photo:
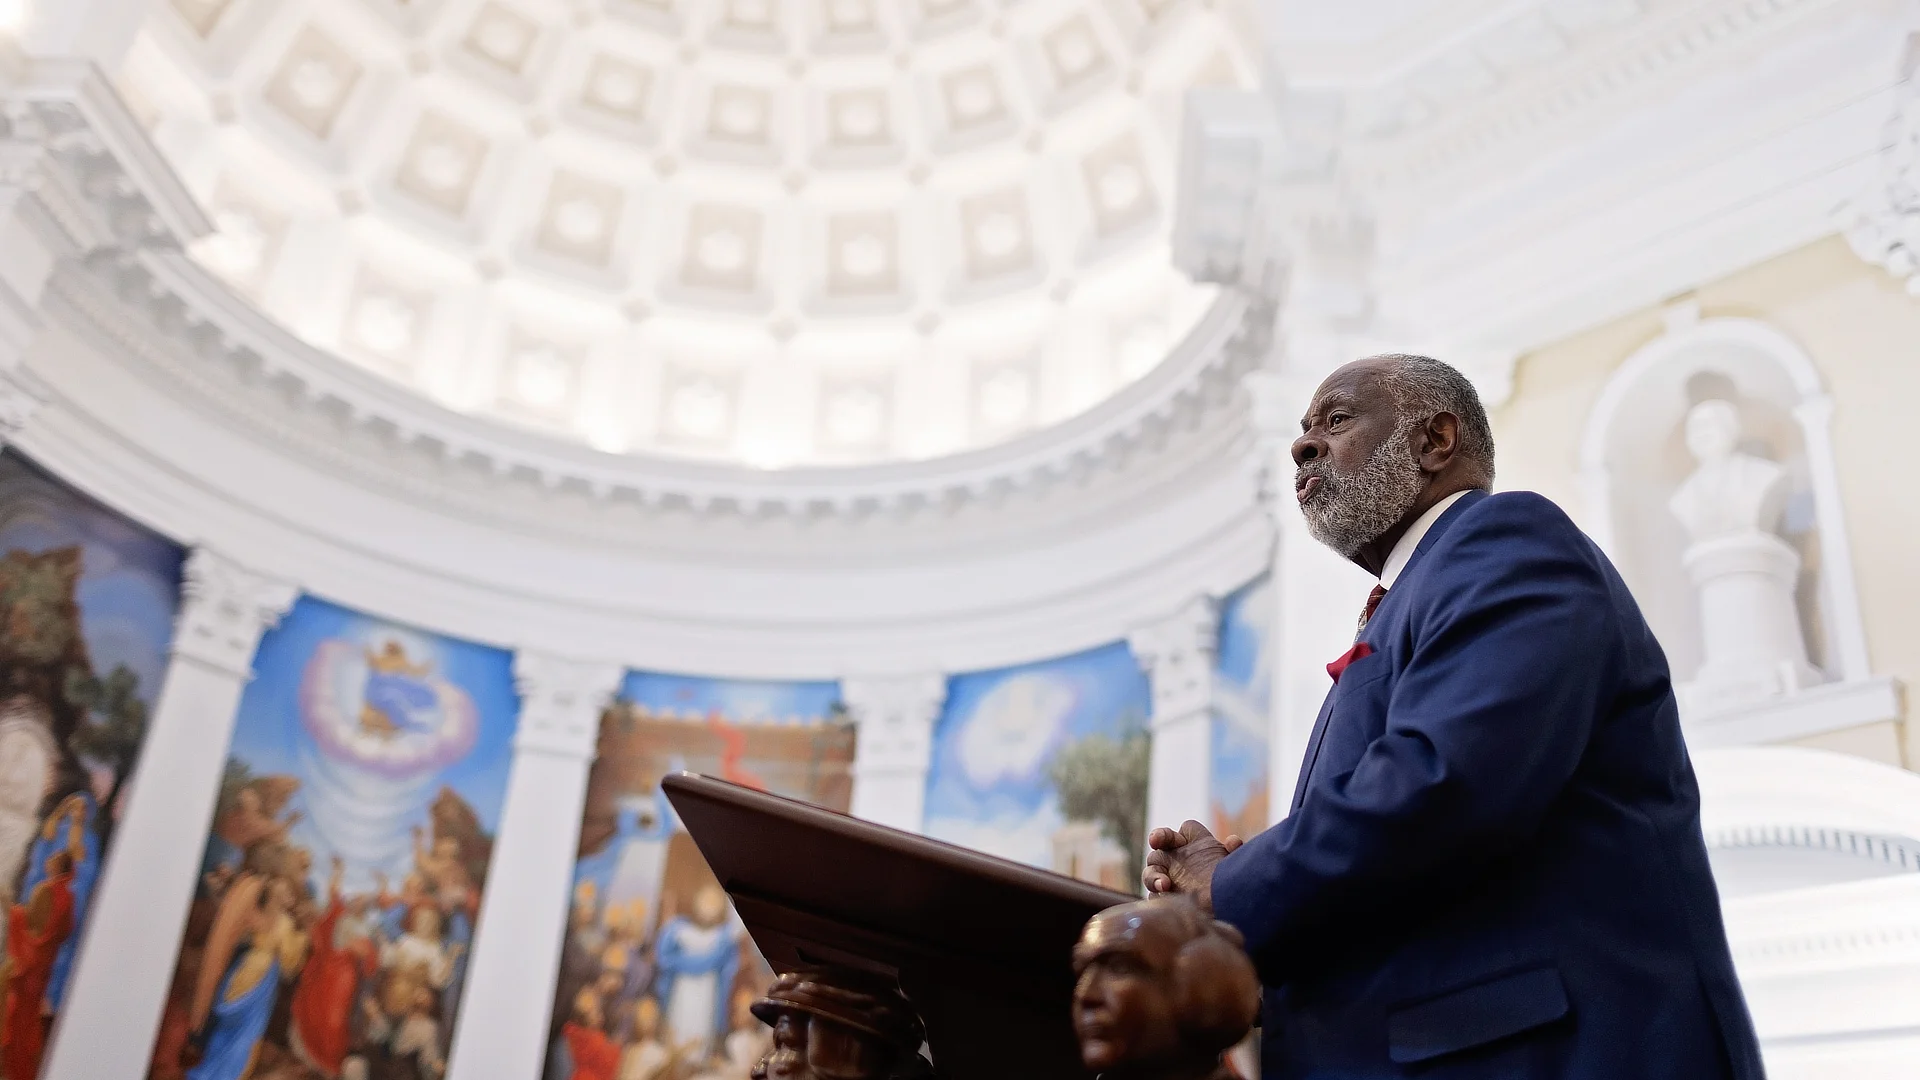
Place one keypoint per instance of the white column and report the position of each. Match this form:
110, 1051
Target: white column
893, 749
502, 1030
1846, 633
1177, 654
133, 934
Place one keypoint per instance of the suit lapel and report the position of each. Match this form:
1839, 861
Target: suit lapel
1326, 706
1313, 751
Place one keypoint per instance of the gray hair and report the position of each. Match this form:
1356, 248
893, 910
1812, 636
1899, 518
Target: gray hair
1423, 387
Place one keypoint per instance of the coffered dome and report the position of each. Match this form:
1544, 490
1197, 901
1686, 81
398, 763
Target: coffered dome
778, 232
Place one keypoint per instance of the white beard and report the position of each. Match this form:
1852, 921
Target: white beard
1351, 511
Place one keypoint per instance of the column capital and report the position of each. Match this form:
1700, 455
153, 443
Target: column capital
895, 715
1177, 654
225, 608
19, 401
561, 701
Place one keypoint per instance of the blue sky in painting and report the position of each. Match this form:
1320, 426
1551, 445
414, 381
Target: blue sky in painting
1242, 691
737, 700
129, 589
988, 786
271, 739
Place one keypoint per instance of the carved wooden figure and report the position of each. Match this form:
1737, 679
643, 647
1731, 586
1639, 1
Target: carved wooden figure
1164, 991
839, 1024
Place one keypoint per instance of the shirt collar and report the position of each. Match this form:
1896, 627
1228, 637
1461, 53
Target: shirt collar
1402, 552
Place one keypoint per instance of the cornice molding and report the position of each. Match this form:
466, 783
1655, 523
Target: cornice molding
68, 139
1883, 224
182, 323
1618, 70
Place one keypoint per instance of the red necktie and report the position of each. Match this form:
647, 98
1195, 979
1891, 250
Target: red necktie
1373, 602
1361, 650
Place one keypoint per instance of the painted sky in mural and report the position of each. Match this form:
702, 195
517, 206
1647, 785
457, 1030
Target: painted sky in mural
87, 605
989, 787
1241, 717
330, 931
657, 971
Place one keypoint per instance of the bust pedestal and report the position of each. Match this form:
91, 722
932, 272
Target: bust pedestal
1754, 648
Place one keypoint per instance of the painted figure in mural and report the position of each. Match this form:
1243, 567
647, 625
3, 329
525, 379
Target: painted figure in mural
839, 1025
253, 819
744, 1047
595, 1056
646, 1056
632, 863
1164, 992
418, 961
398, 697
254, 946
697, 958
344, 956
28, 760
439, 865
36, 931
73, 828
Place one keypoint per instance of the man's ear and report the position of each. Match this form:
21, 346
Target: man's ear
1440, 441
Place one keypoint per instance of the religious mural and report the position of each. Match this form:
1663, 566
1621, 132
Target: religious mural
1242, 692
1046, 764
87, 605
657, 972
335, 913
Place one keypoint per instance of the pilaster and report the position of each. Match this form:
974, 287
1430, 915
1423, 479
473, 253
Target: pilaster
502, 1029
893, 750
126, 962
1177, 653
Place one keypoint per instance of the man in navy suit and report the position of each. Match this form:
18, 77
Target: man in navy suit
1493, 865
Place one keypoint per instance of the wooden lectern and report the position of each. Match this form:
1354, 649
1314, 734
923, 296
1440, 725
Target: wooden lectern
980, 946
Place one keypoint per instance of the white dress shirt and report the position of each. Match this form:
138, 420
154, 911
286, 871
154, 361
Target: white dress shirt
1402, 552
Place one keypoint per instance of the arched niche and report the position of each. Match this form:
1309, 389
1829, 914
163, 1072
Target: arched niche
1633, 457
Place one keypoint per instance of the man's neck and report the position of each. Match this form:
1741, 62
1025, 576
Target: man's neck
1373, 557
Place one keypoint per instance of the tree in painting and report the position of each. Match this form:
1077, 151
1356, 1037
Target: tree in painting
1103, 779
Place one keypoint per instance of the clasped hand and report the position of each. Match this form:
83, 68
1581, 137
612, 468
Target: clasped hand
1181, 861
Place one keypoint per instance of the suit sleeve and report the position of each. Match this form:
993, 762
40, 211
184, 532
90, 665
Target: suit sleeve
1512, 654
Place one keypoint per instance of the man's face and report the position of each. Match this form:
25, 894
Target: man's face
1123, 1005
805, 1048
1356, 471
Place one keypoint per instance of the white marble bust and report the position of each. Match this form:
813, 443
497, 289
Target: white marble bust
1731, 493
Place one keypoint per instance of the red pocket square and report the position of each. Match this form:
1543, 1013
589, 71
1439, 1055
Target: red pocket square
1360, 651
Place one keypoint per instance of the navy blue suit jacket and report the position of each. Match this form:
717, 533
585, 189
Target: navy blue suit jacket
1493, 866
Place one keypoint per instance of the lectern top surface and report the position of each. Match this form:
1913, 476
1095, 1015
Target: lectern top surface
982, 946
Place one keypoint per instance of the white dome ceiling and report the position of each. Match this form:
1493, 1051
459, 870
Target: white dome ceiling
781, 232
